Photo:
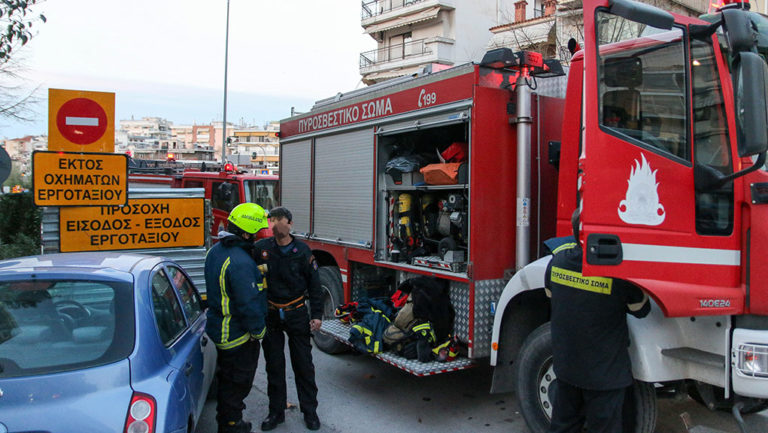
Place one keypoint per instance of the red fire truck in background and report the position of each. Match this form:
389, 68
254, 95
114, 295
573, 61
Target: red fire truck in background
658, 136
225, 187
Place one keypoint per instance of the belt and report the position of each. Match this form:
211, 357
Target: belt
289, 306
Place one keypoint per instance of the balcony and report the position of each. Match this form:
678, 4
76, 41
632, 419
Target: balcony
409, 54
383, 15
374, 8
393, 53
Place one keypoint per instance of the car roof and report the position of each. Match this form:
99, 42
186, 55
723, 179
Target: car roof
112, 265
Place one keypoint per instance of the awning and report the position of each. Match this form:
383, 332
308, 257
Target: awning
392, 73
425, 15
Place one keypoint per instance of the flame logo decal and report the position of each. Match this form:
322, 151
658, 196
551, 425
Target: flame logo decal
641, 204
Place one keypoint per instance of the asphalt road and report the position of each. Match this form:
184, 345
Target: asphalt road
359, 393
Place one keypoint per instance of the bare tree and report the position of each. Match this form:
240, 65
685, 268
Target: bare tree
16, 22
16, 100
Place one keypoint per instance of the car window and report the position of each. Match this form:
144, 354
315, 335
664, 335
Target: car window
52, 326
168, 315
189, 298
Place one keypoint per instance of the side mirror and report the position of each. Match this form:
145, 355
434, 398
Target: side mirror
642, 13
751, 103
738, 29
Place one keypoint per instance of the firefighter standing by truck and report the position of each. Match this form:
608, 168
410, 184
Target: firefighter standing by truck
292, 273
236, 313
590, 340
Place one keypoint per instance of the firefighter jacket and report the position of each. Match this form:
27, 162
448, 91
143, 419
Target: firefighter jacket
290, 274
589, 325
237, 303
367, 335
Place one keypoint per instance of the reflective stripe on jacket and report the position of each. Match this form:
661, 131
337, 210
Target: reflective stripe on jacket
237, 303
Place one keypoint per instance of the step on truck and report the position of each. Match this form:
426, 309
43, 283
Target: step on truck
658, 135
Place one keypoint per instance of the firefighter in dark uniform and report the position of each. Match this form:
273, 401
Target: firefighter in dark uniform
291, 276
589, 339
236, 314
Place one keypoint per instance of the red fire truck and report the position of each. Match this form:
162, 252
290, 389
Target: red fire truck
225, 187
658, 136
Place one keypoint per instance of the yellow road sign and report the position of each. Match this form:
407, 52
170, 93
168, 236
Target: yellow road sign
142, 223
79, 179
81, 121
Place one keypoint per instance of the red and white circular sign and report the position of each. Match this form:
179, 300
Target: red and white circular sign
81, 120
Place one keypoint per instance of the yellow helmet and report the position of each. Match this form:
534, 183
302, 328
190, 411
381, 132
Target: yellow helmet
249, 217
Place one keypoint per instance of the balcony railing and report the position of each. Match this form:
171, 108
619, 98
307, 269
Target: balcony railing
373, 8
394, 52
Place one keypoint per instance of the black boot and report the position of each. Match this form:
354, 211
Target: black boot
272, 420
235, 427
312, 421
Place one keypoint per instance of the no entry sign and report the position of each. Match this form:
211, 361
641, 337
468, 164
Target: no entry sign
80, 121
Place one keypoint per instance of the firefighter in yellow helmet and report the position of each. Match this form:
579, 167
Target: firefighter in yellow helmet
236, 314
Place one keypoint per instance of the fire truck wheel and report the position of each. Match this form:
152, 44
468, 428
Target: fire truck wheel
645, 407
536, 380
333, 295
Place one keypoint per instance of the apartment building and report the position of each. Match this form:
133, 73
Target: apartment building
20, 150
262, 145
546, 26
157, 138
413, 34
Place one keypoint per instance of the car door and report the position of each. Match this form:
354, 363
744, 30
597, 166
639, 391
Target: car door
202, 354
655, 108
180, 346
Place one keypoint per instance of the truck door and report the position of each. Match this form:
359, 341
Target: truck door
656, 107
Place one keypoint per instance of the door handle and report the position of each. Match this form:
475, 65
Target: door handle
604, 249
187, 369
203, 341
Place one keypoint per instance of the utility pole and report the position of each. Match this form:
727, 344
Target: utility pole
224, 123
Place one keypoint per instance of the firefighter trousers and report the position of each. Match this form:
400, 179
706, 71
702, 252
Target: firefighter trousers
235, 371
295, 324
575, 408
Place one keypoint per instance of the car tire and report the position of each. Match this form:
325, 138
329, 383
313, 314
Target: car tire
333, 295
536, 379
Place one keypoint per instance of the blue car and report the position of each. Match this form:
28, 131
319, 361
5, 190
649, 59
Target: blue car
101, 342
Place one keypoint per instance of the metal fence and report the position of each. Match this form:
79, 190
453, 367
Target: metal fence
377, 7
192, 259
394, 52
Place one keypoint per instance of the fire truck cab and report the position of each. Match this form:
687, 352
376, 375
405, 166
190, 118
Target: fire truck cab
658, 137
225, 186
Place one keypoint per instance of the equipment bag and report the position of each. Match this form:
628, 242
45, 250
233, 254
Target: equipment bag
441, 174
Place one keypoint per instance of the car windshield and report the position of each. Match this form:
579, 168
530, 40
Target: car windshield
261, 192
53, 326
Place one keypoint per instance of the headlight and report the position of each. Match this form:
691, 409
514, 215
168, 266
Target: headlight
752, 360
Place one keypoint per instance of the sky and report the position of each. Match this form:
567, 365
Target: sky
165, 58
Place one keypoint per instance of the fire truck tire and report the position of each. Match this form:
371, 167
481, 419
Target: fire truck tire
333, 295
645, 407
536, 380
